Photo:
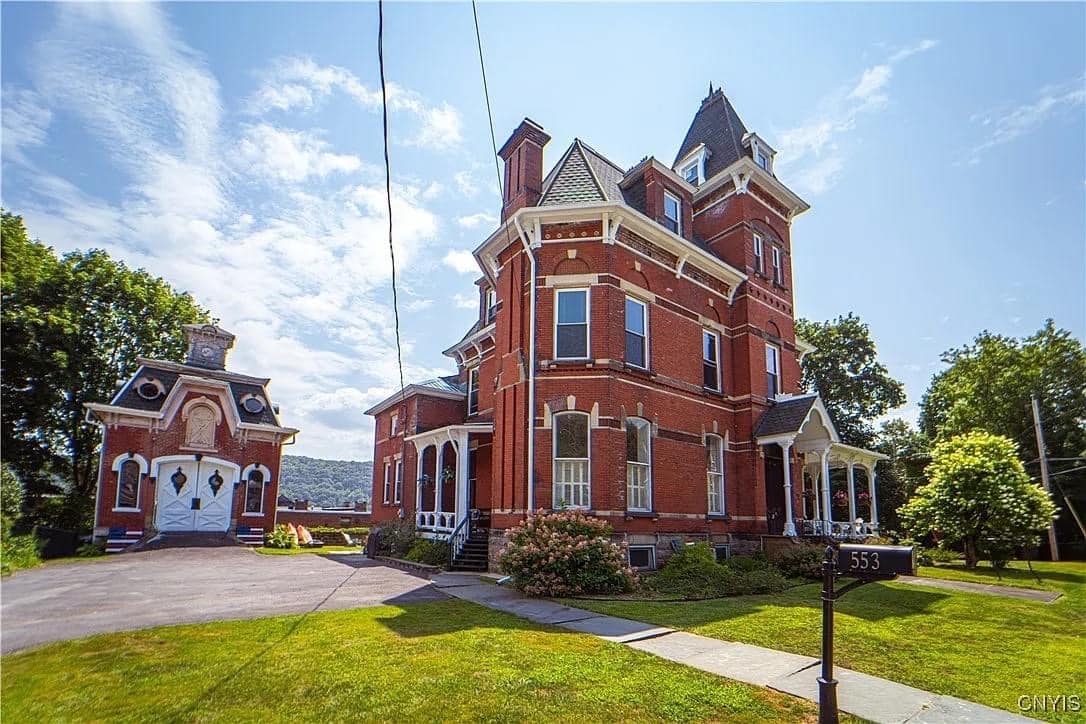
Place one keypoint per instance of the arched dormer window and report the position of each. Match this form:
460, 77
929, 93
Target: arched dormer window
572, 466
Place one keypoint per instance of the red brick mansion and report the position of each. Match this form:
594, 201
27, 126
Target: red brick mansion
634, 356
188, 448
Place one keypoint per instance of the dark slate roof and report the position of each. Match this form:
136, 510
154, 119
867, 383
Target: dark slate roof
131, 399
785, 416
583, 175
607, 172
444, 384
718, 126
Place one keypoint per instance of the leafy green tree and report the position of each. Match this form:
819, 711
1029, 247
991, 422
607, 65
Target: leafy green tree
71, 328
903, 473
845, 371
11, 494
987, 386
978, 494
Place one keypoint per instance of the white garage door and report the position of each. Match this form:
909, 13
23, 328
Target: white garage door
195, 495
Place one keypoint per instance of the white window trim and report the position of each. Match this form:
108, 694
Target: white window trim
727, 550
245, 498
778, 266
759, 254
394, 425
473, 373
587, 321
679, 207
387, 483
644, 323
723, 477
397, 484
719, 367
700, 176
244, 478
648, 466
652, 557
555, 460
144, 470
776, 372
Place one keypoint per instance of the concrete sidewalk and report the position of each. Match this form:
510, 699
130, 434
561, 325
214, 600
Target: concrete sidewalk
859, 694
987, 589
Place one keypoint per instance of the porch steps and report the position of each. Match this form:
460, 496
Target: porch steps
475, 554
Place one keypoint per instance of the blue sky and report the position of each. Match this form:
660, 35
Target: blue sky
234, 149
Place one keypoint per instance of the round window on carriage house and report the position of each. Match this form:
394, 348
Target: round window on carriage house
149, 388
253, 404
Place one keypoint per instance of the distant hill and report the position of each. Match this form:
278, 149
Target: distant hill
325, 482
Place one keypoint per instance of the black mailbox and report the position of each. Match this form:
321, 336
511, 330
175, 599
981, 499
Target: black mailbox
860, 561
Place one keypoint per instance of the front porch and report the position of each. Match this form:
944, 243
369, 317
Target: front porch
443, 486
802, 426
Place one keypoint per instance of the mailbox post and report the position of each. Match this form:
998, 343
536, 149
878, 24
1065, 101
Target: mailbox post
865, 564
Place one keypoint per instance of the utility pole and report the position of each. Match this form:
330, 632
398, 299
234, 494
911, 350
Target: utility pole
1043, 457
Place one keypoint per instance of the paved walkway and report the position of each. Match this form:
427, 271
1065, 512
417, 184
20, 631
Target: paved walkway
988, 589
190, 585
865, 696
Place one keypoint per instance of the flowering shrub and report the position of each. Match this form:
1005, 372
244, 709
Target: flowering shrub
565, 553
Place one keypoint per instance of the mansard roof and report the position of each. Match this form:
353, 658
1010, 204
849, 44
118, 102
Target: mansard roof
718, 126
582, 175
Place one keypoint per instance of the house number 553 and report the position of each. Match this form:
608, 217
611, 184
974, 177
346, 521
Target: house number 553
865, 560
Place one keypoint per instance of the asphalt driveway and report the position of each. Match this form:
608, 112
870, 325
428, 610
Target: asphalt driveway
189, 585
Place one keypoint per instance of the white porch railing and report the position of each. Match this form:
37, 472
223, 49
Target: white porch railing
440, 521
842, 531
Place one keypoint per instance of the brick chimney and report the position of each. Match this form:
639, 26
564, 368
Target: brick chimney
523, 156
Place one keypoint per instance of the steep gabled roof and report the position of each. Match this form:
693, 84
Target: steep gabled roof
718, 126
786, 416
582, 176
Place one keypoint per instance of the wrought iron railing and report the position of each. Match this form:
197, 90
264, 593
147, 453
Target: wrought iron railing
459, 537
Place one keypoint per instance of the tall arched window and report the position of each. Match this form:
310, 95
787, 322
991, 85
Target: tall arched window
128, 485
638, 465
714, 473
572, 487
254, 492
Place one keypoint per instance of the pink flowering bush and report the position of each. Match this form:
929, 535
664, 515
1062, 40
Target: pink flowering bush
566, 553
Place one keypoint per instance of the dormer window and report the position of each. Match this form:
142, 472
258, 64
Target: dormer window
692, 174
762, 159
692, 165
673, 213
760, 151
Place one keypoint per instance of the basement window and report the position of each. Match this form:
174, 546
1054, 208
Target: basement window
642, 557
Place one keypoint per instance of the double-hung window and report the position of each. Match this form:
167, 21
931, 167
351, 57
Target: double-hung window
637, 333
772, 370
473, 391
571, 324
759, 254
491, 301
638, 465
572, 487
714, 473
254, 492
710, 360
128, 485
394, 425
398, 487
763, 159
388, 482
673, 213
778, 267
692, 174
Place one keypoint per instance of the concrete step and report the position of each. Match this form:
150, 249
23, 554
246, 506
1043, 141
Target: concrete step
185, 540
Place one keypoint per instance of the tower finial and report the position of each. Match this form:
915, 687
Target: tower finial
710, 87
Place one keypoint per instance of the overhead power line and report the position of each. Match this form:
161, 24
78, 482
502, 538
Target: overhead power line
486, 94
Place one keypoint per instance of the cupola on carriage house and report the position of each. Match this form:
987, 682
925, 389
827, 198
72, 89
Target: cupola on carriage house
634, 355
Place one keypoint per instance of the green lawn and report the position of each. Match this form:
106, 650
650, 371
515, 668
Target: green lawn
1045, 576
297, 551
448, 660
982, 648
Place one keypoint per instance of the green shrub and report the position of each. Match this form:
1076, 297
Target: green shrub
395, 537
17, 551
430, 552
565, 553
764, 580
355, 532
942, 555
91, 550
800, 561
693, 573
745, 564
280, 538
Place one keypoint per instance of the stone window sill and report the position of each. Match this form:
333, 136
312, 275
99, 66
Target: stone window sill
127, 510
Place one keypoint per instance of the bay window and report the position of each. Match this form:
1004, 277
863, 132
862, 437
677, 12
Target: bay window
571, 324
638, 465
572, 487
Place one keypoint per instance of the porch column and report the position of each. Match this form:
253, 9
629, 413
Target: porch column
814, 489
851, 492
789, 526
419, 450
871, 492
827, 513
437, 476
462, 453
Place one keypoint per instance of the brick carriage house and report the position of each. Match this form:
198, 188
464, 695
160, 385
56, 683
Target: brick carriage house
188, 448
634, 356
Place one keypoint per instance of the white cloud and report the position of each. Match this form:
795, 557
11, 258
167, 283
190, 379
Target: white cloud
25, 121
290, 155
465, 183
463, 301
302, 281
474, 221
462, 261
814, 148
300, 83
1012, 124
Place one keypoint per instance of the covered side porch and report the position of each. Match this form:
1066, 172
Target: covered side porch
443, 485
841, 506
